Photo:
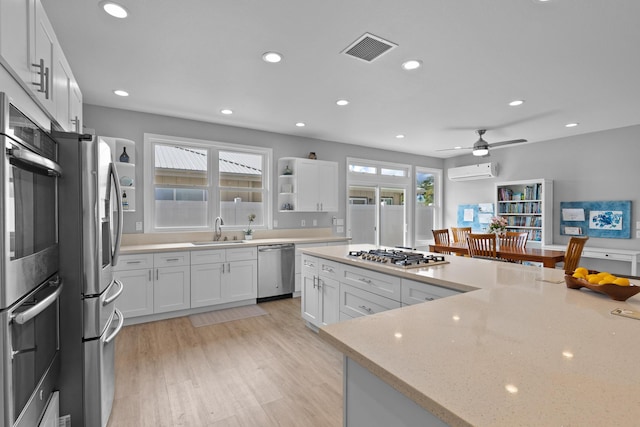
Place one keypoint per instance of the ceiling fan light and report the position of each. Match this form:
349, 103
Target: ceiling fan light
482, 151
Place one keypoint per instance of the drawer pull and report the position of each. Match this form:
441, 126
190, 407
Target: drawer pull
134, 262
365, 308
172, 259
362, 279
329, 269
429, 298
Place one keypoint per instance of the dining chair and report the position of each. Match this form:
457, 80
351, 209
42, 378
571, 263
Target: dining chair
482, 245
573, 253
514, 239
441, 237
460, 233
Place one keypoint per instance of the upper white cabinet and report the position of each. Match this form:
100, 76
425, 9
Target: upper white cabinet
307, 185
31, 53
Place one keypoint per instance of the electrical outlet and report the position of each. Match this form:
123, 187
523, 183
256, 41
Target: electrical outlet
275, 223
339, 229
637, 234
303, 222
340, 221
637, 225
334, 221
315, 222
138, 225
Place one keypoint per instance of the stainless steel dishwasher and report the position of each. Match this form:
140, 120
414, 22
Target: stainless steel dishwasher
276, 271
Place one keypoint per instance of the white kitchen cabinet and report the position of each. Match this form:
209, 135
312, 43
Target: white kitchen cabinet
356, 302
32, 54
414, 292
171, 289
16, 33
136, 274
298, 264
306, 185
223, 275
320, 290
381, 284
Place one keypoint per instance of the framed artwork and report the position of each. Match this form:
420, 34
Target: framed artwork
607, 219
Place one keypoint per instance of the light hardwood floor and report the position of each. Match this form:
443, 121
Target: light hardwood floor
267, 371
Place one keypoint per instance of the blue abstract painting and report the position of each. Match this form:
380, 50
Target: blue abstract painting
605, 220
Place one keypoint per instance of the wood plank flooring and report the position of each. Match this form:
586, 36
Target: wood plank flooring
266, 371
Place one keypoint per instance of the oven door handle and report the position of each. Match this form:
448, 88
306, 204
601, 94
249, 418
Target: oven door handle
23, 317
115, 296
50, 167
117, 330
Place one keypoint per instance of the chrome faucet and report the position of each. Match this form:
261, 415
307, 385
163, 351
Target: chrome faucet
217, 231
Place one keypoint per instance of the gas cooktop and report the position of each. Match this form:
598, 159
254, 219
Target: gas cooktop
399, 258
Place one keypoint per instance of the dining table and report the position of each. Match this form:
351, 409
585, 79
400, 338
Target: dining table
547, 257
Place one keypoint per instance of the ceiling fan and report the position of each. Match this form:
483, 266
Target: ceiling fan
481, 147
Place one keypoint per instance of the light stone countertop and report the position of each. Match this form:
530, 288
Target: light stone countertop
182, 246
519, 350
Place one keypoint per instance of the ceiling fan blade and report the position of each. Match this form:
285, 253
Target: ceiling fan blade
455, 149
501, 143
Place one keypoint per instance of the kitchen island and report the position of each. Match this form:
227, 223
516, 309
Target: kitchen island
516, 348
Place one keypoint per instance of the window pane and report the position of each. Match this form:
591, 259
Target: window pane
362, 214
176, 165
236, 207
393, 172
425, 188
363, 169
240, 170
176, 208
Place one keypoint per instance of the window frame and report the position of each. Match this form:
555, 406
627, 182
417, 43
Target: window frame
213, 175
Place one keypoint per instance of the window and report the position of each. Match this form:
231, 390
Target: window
193, 182
428, 213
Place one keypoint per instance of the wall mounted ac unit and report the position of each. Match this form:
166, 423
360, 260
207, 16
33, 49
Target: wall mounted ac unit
468, 173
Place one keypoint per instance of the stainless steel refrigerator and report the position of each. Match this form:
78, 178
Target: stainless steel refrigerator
90, 221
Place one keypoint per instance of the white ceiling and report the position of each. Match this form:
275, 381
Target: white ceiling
571, 60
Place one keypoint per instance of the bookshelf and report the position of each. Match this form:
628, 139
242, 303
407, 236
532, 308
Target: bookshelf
527, 206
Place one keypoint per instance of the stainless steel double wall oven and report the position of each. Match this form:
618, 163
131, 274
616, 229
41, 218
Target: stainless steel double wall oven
30, 287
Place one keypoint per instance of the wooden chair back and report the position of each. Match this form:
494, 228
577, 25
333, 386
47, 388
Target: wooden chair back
513, 239
482, 245
460, 233
573, 253
441, 237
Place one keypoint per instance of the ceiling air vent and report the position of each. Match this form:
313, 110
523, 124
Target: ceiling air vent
368, 47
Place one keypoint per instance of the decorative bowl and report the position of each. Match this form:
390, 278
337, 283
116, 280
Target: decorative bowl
615, 292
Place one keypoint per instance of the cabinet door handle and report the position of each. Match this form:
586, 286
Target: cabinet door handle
134, 262
43, 76
229, 268
46, 80
329, 269
157, 273
319, 280
149, 275
223, 268
172, 259
321, 206
365, 308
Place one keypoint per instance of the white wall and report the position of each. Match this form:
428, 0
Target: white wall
132, 125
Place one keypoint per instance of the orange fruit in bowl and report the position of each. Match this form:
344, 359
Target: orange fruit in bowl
594, 279
621, 281
581, 271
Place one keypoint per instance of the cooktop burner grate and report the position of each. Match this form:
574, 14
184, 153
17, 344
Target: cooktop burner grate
398, 257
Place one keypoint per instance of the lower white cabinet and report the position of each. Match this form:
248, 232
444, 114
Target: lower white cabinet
320, 290
171, 289
355, 302
137, 295
416, 292
223, 275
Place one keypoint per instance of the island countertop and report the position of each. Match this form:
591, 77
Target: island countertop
519, 348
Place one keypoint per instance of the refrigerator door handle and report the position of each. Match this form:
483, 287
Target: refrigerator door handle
118, 328
115, 296
116, 183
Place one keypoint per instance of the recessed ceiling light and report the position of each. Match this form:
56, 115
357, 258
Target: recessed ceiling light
300, 124
516, 103
226, 111
571, 125
114, 9
458, 147
411, 64
272, 57
400, 136
120, 92
342, 102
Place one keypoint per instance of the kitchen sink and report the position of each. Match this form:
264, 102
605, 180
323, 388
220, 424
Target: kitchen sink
217, 242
